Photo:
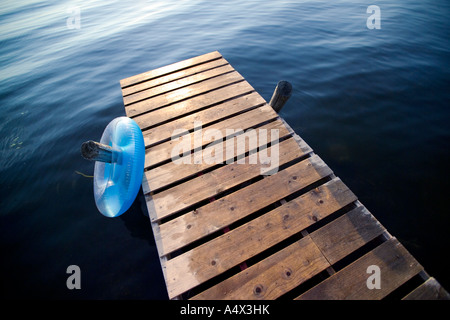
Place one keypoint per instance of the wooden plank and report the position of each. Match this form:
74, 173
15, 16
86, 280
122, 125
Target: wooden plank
191, 105
276, 186
203, 221
191, 192
347, 233
429, 290
173, 76
182, 94
273, 276
214, 257
172, 172
145, 76
205, 117
396, 267
174, 85
162, 152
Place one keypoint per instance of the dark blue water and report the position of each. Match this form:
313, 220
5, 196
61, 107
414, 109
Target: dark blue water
374, 104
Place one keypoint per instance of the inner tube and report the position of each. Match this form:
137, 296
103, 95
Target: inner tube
117, 184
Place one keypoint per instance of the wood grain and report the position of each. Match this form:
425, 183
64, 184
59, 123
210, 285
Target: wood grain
173, 76
396, 267
204, 117
177, 84
210, 184
172, 172
347, 233
273, 276
429, 290
185, 107
162, 152
183, 94
155, 73
218, 255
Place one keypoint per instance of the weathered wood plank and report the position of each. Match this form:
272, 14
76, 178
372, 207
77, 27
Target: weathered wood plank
191, 192
162, 152
199, 223
174, 85
396, 267
182, 94
205, 117
145, 76
173, 76
298, 176
191, 105
273, 276
347, 233
172, 172
218, 255
429, 290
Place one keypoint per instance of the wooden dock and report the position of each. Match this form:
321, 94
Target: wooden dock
229, 230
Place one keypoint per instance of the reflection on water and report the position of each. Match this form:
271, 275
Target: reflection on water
372, 103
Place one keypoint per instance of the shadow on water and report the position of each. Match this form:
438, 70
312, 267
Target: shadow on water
137, 222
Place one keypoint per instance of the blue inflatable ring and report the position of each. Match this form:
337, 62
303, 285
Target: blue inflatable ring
117, 184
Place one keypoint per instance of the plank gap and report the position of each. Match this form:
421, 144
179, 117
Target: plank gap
241, 221
219, 165
405, 288
207, 201
174, 118
186, 75
150, 96
206, 125
253, 118
211, 282
305, 286
184, 99
319, 224
170, 72
245, 219
431, 289
358, 253
275, 248
193, 176
242, 182
162, 162
251, 261
259, 235
309, 187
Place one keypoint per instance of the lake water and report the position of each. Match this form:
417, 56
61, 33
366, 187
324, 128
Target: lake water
373, 103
